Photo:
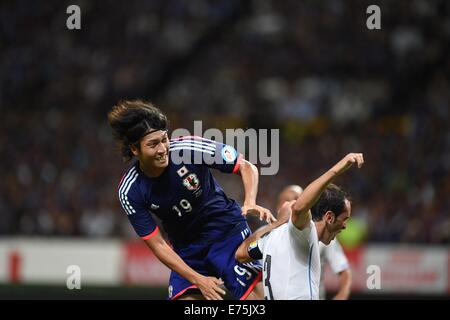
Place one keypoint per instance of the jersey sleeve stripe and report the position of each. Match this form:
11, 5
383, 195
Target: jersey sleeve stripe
124, 206
125, 182
194, 144
151, 234
121, 180
131, 182
192, 148
238, 164
126, 209
124, 177
210, 144
123, 195
127, 204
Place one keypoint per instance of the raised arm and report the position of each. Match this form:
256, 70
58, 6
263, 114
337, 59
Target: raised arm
299, 210
301, 214
249, 175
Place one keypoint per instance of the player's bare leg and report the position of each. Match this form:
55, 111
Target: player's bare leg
257, 292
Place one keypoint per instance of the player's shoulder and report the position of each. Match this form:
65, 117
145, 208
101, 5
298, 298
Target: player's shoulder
305, 234
274, 240
129, 181
205, 146
277, 234
192, 142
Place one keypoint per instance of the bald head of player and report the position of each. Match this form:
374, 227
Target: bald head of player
330, 212
289, 193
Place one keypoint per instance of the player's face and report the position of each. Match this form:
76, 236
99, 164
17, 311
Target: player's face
339, 223
341, 220
154, 151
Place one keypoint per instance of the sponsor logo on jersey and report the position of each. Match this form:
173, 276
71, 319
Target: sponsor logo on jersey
191, 182
229, 154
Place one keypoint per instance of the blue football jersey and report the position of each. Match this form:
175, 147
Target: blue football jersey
186, 197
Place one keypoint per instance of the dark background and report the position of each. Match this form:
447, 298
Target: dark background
311, 69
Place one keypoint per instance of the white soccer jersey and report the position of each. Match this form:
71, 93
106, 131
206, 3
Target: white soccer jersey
334, 255
291, 263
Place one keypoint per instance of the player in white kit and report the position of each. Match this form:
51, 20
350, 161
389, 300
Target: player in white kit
290, 251
332, 254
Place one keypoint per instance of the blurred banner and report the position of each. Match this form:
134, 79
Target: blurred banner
403, 269
140, 266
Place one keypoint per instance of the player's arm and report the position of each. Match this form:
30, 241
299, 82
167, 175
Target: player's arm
134, 205
345, 284
245, 253
249, 175
209, 286
301, 214
335, 256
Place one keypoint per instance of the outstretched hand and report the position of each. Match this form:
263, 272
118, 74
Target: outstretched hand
255, 210
347, 162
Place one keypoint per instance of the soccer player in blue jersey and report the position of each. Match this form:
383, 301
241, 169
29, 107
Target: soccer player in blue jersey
173, 181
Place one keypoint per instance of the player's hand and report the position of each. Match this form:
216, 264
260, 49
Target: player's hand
347, 162
210, 288
255, 210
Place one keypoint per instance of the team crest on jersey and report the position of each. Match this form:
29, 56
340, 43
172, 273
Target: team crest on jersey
191, 182
229, 154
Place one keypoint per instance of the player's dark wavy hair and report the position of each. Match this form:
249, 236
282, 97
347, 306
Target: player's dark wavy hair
332, 199
132, 120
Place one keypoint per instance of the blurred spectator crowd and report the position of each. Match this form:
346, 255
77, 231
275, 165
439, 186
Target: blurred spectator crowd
309, 68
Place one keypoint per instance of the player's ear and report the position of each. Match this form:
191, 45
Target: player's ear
329, 217
134, 149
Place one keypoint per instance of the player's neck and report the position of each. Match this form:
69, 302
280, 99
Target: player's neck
320, 227
151, 172
323, 233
